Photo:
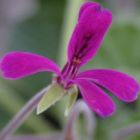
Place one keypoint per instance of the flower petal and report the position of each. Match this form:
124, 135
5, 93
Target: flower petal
121, 85
97, 100
16, 65
87, 5
88, 34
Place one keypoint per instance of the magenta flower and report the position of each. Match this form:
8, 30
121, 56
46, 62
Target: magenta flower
93, 23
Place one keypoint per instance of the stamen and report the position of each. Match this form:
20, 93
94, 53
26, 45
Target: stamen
76, 60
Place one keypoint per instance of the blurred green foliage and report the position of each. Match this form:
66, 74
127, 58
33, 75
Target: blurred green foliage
41, 34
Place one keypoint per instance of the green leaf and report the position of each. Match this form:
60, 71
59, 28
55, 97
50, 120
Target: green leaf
54, 94
72, 96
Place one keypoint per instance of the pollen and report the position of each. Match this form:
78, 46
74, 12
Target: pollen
76, 60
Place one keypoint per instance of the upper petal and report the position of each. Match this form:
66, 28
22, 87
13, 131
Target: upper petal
88, 33
87, 5
16, 65
97, 100
120, 84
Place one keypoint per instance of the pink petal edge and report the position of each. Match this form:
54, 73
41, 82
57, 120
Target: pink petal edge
15, 65
86, 5
89, 33
96, 99
120, 84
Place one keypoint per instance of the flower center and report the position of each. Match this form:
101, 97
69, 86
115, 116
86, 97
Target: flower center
70, 70
76, 60
68, 73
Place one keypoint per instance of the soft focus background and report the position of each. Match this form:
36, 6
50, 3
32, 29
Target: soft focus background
43, 27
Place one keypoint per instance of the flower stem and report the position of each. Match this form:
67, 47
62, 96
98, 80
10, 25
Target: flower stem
80, 108
70, 18
123, 133
35, 137
11, 127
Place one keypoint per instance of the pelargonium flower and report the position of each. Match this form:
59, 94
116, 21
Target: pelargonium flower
93, 22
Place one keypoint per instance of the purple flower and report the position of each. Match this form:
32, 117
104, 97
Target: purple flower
93, 23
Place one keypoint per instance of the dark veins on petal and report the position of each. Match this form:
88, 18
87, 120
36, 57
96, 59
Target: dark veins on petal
83, 49
70, 70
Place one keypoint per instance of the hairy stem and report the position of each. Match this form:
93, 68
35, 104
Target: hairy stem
123, 133
90, 122
21, 115
34, 137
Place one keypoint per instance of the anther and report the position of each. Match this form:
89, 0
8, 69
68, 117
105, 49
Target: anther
76, 60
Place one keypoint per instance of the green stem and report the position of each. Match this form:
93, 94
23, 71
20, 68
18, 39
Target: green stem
21, 116
124, 133
90, 122
70, 18
7, 101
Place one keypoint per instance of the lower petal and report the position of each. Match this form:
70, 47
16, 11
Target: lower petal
96, 99
16, 65
120, 84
